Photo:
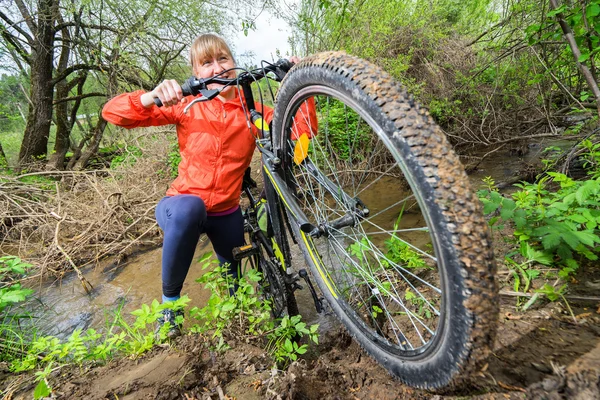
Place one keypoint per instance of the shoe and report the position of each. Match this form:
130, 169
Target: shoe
169, 316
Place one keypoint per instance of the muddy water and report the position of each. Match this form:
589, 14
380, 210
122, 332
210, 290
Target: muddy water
62, 306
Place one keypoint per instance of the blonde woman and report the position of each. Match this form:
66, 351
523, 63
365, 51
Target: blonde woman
216, 148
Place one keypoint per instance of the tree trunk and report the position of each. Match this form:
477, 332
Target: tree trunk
93, 146
37, 129
56, 161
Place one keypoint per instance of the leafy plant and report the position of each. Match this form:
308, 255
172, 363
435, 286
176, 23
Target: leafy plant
283, 345
560, 225
128, 157
12, 293
244, 314
173, 160
423, 309
346, 134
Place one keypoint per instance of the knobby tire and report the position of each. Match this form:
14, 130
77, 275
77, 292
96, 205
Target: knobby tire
414, 281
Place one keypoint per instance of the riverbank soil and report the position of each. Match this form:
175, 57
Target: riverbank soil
546, 352
541, 354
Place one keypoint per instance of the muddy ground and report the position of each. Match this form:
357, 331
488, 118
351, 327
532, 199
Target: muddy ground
540, 354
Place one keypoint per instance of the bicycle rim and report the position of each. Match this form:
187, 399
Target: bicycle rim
393, 274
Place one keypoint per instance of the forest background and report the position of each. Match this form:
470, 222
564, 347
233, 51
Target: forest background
495, 75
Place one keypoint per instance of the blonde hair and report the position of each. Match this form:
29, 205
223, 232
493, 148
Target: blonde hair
208, 46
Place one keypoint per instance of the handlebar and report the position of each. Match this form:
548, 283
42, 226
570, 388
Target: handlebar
194, 86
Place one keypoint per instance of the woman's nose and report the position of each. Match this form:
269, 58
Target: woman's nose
217, 67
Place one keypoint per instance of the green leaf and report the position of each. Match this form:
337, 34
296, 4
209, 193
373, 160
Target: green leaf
584, 57
41, 390
517, 283
228, 306
496, 197
586, 237
506, 213
580, 219
288, 346
520, 218
532, 273
489, 206
569, 199
14, 296
253, 275
558, 10
560, 206
532, 28
592, 10
204, 257
583, 193
571, 238
551, 241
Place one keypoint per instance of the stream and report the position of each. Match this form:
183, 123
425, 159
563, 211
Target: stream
62, 306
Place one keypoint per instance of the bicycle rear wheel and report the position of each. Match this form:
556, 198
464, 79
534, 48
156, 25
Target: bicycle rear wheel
402, 253
280, 246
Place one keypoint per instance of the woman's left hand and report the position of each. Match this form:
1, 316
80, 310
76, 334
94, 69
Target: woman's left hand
294, 59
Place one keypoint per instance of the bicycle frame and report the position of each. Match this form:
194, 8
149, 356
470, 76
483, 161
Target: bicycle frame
277, 192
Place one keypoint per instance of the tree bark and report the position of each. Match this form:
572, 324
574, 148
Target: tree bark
93, 146
56, 161
63, 130
37, 129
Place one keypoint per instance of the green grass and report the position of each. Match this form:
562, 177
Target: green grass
11, 143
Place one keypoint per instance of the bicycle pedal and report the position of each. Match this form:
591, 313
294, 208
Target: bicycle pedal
244, 251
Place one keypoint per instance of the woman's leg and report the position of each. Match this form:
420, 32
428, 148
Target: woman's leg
182, 218
226, 232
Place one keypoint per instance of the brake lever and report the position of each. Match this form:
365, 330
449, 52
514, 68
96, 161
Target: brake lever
282, 67
206, 95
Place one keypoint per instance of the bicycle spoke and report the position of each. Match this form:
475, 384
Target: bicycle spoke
383, 188
395, 297
400, 270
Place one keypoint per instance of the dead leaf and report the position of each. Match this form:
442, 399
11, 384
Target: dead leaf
511, 316
510, 387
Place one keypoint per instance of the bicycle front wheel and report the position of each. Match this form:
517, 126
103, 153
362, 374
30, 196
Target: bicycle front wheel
400, 250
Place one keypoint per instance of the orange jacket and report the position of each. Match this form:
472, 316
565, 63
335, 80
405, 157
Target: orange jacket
215, 143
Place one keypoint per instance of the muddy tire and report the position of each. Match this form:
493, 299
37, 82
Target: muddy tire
402, 253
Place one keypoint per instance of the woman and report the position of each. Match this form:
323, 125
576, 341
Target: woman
216, 148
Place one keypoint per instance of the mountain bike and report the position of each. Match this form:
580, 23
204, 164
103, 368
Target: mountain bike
383, 212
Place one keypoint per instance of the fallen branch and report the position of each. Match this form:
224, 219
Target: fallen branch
568, 297
87, 286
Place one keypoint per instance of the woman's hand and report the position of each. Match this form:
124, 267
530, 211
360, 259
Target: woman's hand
294, 59
169, 92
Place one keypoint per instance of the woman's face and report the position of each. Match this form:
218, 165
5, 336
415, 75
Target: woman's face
209, 67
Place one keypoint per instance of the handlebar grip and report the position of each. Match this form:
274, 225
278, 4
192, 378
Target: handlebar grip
284, 64
185, 88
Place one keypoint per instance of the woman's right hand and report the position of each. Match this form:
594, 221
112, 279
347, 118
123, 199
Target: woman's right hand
169, 92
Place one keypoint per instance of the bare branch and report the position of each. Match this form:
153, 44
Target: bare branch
576, 54
80, 97
16, 27
26, 15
